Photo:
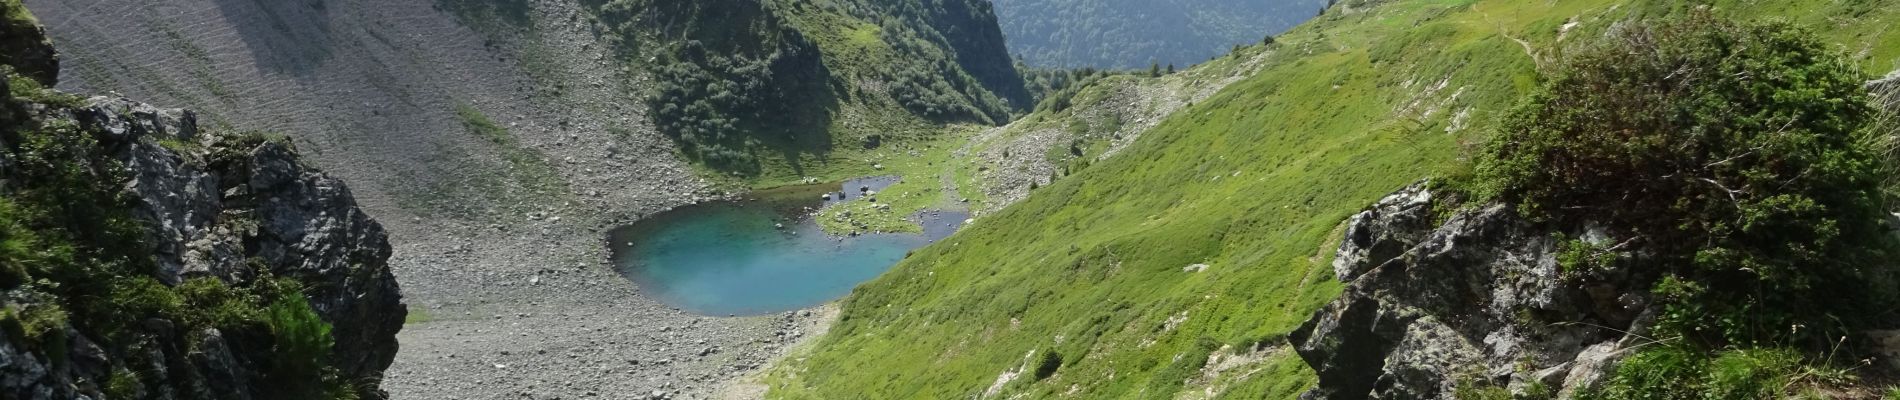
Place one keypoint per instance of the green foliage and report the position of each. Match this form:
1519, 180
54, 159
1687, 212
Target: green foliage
947, 32
1471, 390
27, 89
732, 78
1658, 373
300, 366
417, 316
122, 385
1253, 181
526, 173
26, 48
1677, 372
1048, 364
1045, 82
479, 125
775, 89
1729, 151
1578, 257
181, 146
214, 303
42, 325
14, 12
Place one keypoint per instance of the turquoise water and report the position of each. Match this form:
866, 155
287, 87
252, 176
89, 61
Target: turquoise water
759, 256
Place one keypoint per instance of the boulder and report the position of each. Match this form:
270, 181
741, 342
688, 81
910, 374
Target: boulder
1382, 232
1479, 299
1886, 92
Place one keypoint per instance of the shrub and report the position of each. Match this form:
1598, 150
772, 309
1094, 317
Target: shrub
123, 384
1047, 366
1731, 152
1656, 373
215, 304
1678, 372
299, 366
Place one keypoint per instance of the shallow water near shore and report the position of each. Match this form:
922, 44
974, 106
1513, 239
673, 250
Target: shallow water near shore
764, 254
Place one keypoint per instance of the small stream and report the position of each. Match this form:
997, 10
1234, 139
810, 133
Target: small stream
763, 254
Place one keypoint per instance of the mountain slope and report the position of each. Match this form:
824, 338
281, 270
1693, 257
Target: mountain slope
1175, 268
495, 139
1131, 34
802, 80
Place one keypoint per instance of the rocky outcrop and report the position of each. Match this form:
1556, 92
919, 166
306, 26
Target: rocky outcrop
28, 51
1478, 301
257, 210
236, 208
1886, 92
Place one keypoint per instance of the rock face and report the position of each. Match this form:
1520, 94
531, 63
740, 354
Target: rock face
1477, 301
299, 222
1886, 92
230, 207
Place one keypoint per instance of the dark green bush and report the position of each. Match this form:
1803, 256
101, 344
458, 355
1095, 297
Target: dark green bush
301, 343
1669, 372
1047, 366
1731, 154
1663, 373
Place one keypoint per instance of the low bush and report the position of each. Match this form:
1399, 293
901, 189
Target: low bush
1735, 154
1679, 372
301, 344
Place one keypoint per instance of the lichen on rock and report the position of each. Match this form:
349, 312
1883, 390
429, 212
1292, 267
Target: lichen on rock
1479, 299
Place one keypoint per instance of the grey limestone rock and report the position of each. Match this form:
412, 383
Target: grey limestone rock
1479, 299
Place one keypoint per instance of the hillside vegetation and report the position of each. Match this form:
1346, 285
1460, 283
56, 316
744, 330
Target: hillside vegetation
1175, 268
774, 87
1130, 34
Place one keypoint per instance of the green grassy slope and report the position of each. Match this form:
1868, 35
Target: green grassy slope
1254, 182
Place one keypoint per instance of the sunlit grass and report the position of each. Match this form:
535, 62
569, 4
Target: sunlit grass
1252, 182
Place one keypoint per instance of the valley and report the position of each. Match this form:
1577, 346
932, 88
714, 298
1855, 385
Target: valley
870, 199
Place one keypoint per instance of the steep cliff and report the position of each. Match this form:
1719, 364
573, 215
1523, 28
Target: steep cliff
145, 257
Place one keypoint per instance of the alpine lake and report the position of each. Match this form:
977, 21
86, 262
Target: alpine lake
764, 253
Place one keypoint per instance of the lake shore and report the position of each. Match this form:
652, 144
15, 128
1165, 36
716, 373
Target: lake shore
542, 315
537, 310
764, 254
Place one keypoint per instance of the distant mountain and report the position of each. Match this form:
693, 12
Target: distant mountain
1136, 33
